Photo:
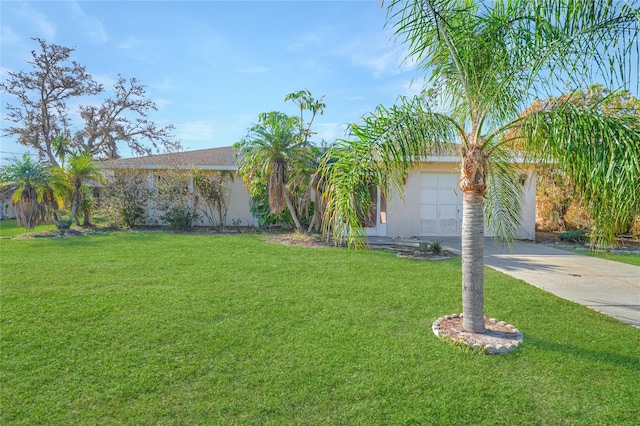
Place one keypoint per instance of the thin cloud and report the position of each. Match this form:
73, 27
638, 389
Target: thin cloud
161, 103
89, 24
377, 55
413, 87
166, 85
130, 43
196, 131
373, 51
40, 25
45, 28
8, 35
252, 70
107, 81
4, 71
318, 37
329, 132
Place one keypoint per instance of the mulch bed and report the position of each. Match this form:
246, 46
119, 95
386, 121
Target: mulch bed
498, 338
624, 243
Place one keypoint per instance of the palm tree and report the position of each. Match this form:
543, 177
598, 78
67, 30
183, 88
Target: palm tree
28, 180
486, 59
273, 149
69, 183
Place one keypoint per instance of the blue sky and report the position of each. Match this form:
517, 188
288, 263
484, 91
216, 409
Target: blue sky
213, 66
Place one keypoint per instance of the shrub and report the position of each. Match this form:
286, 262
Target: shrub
435, 247
173, 195
635, 228
123, 201
180, 219
575, 236
215, 191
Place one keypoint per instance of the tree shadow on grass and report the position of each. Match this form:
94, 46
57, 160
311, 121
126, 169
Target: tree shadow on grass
604, 357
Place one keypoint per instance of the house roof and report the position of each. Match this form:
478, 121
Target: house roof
207, 159
224, 159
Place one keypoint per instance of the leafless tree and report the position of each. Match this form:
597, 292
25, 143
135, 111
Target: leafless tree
41, 112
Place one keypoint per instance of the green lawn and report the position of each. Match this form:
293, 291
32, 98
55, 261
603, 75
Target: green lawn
630, 258
158, 328
9, 228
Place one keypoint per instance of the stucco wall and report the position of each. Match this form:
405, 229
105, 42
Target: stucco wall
239, 204
239, 201
403, 214
528, 229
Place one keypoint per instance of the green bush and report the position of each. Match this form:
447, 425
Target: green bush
575, 236
180, 219
123, 202
435, 247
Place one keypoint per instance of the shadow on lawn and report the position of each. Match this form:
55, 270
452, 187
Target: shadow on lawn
600, 356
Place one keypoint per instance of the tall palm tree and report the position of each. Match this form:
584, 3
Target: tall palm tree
486, 59
273, 149
27, 179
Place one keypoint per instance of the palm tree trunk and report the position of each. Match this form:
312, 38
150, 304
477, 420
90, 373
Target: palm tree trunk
315, 219
87, 217
75, 203
292, 209
473, 261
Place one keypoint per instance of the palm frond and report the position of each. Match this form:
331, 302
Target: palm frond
386, 147
600, 153
487, 58
504, 196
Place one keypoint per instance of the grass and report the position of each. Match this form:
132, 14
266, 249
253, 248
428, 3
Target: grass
630, 258
9, 228
142, 328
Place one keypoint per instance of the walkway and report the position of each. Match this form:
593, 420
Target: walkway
612, 288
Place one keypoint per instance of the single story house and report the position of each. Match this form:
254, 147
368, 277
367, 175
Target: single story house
431, 206
207, 160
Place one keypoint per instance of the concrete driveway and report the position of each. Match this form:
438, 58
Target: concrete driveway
611, 288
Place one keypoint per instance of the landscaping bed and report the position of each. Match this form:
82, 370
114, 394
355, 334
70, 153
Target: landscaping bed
623, 243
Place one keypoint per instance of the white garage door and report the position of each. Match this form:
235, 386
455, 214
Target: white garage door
440, 204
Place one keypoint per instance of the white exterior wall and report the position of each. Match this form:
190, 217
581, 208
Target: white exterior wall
403, 215
238, 208
528, 229
240, 204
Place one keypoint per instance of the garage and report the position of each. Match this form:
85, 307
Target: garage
440, 205
431, 203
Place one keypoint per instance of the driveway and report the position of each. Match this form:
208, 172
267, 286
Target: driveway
612, 288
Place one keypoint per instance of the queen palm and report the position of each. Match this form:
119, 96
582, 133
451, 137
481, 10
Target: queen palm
486, 60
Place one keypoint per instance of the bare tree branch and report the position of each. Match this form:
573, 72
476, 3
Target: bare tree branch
41, 112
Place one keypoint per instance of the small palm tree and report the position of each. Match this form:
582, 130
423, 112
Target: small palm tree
28, 180
69, 184
485, 60
273, 149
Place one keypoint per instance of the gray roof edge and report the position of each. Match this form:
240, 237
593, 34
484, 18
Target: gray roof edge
166, 167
